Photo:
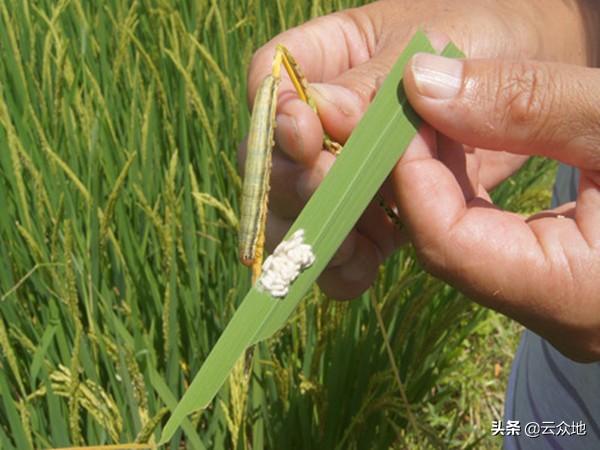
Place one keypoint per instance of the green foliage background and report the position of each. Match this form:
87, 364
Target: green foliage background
119, 124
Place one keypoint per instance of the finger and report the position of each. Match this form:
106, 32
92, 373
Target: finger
520, 268
587, 213
496, 166
397, 232
355, 274
277, 227
340, 109
561, 211
465, 169
451, 243
320, 47
343, 100
431, 202
292, 185
377, 226
522, 107
352, 269
298, 133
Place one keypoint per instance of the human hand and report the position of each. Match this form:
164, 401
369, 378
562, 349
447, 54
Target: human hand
544, 270
346, 55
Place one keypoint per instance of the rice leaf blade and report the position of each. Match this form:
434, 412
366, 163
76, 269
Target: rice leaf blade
367, 159
239, 334
369, 155
352, 182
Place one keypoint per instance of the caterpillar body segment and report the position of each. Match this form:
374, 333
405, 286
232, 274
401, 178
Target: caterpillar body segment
255, 188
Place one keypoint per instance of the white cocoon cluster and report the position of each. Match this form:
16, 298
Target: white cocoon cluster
284, 265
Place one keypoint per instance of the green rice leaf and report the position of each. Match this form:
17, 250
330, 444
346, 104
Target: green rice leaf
373, 149
40, 353
167, 397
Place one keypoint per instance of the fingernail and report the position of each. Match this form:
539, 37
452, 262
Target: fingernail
437, 77
346, 101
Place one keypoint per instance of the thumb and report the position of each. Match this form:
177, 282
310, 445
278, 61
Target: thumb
343, 100
530, 108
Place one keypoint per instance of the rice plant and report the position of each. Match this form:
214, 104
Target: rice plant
119, 124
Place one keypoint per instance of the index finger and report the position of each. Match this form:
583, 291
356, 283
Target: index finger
323, 47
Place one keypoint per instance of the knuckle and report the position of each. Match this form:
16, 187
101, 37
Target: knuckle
366, 79
585, 134
525, 97
356, 26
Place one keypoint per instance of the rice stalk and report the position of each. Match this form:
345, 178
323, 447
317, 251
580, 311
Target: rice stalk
56, 223
39, 192
98, 96
223, 80
146, 432
14, 145
232, 174
164, 102
221, 35
73, 302
203, 198
25, 277
139, 389
19, 335
281, 15
126, 29
151, 213
199, 205
411, 418
130, 446
15, 50
69, 173
168, 253
196, 100
34, 248
53, 35
145, 131
235, 410
25, 421
114, 195
92, 398
11, 357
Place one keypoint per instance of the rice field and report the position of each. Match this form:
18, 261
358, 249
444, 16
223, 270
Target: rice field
119, 200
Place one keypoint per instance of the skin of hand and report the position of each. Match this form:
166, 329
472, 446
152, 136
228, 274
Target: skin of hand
345, 56
543, 270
